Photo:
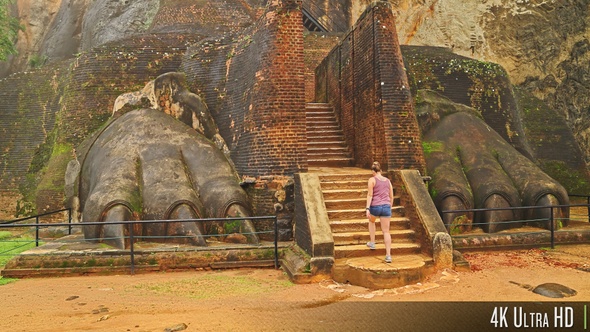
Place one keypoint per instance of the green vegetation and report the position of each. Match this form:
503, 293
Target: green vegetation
24, 208
574, 181
459, 225
9, 28
11, 246
37, 61
46, 172
430, 70
232, 226
433, 192
475, 68
61, 154
430, 147
4, 281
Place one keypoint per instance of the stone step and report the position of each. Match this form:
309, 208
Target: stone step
350, 238
362, 224
327, 143
323, 132
343, 183
359, 250
350, 203
315, 123
313, 112
319, 110
372, 272
356, 176
334, 194
327, 155
359, 212
345, 203
330, 162
326, 140
319, 116
315, 106
340, 149
322, 126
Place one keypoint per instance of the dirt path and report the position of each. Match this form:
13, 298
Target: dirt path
265, 300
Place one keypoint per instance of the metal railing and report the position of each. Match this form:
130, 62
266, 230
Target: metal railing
587, 197
320, 16
132, 237
551, 220
37, 223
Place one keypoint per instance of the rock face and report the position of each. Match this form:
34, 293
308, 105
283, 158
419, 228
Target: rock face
62, 39
542, 44
110, 20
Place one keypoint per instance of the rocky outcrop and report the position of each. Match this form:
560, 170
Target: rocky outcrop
110, 20
543, 45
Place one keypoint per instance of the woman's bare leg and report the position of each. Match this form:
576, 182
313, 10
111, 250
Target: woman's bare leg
372, 228
385, 221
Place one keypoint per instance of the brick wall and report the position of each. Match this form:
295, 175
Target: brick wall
30, 101
66, 102
8, 204
316, 47
208, 18
372, 99
99, 76
254, 86
273, 195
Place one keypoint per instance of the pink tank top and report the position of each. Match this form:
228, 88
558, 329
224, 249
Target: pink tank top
381, 192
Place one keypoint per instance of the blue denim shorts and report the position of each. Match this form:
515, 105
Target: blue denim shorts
380, 210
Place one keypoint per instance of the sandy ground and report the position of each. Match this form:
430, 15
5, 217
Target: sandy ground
265, 300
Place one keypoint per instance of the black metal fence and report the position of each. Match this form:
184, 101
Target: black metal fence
587, 199
551, 220
37, 224
33, 225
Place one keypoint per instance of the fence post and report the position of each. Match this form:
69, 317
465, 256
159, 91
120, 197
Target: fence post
276, 243
131, 249
552, 227
69, 221
36, 231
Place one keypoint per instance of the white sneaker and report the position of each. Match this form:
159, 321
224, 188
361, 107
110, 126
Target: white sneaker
387, 259
371, 245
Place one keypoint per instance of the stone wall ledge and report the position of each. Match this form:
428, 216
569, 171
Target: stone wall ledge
538, 238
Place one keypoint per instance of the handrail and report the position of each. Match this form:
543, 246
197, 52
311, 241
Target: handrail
587, 202
133, 236
327, 22
550, 219
37, 216
11, 223
515, 208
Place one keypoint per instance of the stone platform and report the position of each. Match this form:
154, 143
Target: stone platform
72, 255
372, 271
576, 232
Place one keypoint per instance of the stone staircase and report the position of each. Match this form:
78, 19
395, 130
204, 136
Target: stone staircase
326, 145
344, 189
345, 194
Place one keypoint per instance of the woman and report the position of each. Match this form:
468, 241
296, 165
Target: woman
379, 203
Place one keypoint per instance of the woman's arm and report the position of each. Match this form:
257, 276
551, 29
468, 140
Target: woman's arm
370, 186
391, 193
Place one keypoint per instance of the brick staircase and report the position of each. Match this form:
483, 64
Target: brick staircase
326, 145
345, 194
